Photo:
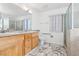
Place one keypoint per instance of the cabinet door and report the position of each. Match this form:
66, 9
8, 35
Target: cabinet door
28, 36
12, 45
35, 41
20, 47
11, 51
27, 45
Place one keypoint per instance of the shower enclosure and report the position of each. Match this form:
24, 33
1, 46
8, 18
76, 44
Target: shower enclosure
71, 30
67, 28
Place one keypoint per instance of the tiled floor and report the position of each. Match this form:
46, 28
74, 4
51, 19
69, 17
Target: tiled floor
49, 49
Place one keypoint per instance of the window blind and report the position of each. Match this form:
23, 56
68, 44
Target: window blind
56, 23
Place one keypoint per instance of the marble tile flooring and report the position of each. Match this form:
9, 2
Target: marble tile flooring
49, 49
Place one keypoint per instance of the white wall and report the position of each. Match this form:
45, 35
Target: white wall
40, 21
35, 19
44, 21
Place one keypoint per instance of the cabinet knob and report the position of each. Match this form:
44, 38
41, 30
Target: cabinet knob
28, 40
28, 47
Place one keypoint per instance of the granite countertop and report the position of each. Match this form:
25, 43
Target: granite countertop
15, 33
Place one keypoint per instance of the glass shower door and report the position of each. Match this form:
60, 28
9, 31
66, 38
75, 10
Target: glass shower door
67, 28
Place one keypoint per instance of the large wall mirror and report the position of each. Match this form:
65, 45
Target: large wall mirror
15, 23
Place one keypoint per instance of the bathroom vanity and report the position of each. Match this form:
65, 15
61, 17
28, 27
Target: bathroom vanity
18, 43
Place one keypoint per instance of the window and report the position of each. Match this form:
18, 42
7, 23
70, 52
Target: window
56, 23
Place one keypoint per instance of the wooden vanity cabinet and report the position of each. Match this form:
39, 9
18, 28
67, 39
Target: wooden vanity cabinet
18, 45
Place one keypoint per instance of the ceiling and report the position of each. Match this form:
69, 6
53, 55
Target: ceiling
43, 6
11, 9
23, 8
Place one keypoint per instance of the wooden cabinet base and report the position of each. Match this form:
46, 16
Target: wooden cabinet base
18, 45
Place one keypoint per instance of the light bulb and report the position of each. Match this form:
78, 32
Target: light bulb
25, 8
30, 11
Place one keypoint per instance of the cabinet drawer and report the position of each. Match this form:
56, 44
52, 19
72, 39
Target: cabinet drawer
17, 37
27, 42
34, 34
27, 36
35, 37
